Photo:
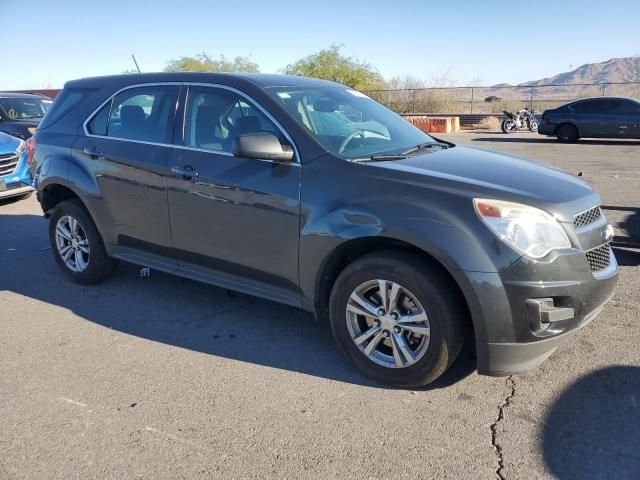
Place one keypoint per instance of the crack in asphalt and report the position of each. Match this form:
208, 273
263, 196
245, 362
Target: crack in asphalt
510, 382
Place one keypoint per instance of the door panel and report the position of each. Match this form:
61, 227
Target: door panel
628, 113
132, 178
592, 118
127, 146
634, 125
239, 216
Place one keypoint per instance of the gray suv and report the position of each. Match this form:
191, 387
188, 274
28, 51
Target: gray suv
309, 193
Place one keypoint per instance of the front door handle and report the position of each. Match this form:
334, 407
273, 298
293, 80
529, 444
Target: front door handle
93, 151
186, 172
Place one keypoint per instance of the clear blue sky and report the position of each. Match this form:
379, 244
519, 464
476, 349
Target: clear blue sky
44, 43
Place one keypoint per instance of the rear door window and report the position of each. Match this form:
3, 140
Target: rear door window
144, 113
625, 106
590, 106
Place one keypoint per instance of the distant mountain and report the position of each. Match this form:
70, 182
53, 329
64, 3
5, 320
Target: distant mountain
626, 69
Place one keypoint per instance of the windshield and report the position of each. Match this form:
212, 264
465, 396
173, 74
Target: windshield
24, 107
347, 122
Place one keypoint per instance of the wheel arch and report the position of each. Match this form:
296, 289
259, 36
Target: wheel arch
55, 193
571, 124
58, 190
349, 251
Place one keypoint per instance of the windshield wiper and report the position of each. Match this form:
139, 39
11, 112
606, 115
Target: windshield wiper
423, 146
380, 158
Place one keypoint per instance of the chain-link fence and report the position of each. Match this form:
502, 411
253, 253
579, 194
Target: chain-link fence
488, 100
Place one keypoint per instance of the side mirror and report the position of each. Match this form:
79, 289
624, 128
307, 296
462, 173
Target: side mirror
261, 145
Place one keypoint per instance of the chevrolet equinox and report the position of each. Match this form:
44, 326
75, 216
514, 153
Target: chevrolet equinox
309, 193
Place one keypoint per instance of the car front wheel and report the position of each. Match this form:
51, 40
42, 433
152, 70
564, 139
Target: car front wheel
398, 319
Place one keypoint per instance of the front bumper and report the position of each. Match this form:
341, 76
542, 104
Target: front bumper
17, 183
512, 341
15, 192
500, 359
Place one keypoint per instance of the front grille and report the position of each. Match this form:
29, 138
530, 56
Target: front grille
586, 218
599, 257
8, 163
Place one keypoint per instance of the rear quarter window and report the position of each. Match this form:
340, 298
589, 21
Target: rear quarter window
592, 106
64, 103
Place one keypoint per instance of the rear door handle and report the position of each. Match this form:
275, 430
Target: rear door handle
186, 172
93, 151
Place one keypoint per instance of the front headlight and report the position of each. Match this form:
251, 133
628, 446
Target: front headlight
22, 147
530, 231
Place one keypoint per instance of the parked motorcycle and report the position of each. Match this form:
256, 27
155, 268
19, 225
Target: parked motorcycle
523, 118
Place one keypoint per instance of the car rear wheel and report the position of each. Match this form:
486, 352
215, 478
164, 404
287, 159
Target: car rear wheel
397, 318
77, 245
567, 133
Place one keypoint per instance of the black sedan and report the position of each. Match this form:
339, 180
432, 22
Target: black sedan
20, 113
600, 117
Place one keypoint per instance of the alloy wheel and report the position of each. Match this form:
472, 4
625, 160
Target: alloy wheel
72, 243
388, 324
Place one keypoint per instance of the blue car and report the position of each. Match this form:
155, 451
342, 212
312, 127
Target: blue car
15, 176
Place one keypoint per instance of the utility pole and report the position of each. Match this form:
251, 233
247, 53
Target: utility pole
531, 99
136, 62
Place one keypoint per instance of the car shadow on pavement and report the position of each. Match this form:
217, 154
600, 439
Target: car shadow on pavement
592, 430
537, 139
183, 313
627, 247
509, 139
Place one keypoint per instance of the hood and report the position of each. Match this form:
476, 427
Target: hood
8, 143
491, 174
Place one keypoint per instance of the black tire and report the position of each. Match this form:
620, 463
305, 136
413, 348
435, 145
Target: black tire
508, 126
436, 292
567, 133
100, 266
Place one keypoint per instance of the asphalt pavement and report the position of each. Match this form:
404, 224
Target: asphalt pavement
163, 377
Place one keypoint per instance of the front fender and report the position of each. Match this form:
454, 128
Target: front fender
453, 235
446, 238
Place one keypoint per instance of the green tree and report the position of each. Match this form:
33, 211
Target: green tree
329, 64
203, 62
